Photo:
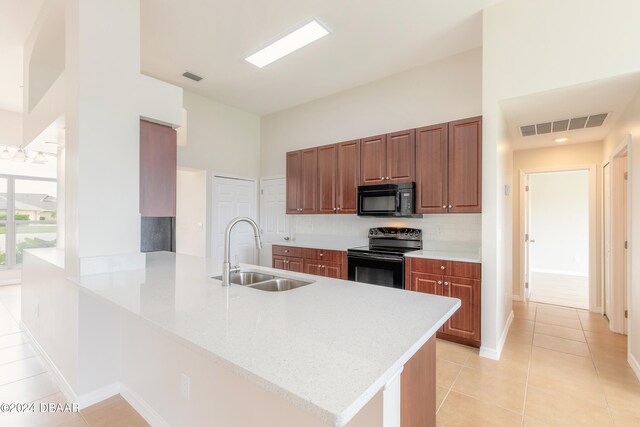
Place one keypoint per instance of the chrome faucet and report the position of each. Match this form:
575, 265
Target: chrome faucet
226, 265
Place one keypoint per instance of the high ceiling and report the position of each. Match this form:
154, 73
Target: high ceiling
610, 96
369, 39
16, 19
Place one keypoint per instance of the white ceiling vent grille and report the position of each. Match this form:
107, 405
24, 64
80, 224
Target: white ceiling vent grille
591, 121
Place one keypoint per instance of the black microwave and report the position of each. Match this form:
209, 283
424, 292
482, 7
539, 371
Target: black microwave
387, 200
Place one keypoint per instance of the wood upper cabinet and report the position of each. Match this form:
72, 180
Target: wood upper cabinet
327, 178
465, 166
465, 323
373, 160
302, 175
432, 173
401, 156
158, 170
294, 181
348, 176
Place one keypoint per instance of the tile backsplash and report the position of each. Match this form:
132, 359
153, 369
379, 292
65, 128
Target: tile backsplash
443, 228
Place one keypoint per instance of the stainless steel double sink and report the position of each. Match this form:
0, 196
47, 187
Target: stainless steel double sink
265, 281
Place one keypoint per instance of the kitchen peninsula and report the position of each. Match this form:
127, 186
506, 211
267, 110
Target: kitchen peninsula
186, 350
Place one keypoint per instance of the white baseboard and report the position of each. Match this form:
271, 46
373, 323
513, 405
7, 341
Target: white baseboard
634, 365
142, 407
64, 386
494, 353
83, 400
91, 398
559, 272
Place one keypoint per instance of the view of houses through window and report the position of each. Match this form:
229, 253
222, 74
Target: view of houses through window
28, 208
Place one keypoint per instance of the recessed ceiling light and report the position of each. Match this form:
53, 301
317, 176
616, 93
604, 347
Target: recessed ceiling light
287, 44
561, 139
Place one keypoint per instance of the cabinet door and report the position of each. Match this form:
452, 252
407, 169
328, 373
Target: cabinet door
333, 270
432, 163
279, 262
348, 176
294, 181
426, 283
313, 267
465, 166
158, 170
373, 160
327, 178
465, 323
401, 156
309, 198
295, 264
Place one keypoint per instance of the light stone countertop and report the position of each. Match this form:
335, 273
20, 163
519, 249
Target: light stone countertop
327, 348
323, 243
452, 255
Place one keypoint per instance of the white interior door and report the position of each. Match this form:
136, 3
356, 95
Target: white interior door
273, 219
607, 238
232, 198
527, 239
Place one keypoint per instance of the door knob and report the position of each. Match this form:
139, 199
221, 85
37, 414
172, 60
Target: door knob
532, 241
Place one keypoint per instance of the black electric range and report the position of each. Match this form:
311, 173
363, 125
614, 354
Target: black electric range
382, 261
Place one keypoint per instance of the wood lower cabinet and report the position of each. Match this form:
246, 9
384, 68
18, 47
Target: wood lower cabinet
301, 186
319, 262
158, 170
449, 176
451, 279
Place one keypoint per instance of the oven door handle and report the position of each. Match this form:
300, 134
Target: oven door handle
375, 257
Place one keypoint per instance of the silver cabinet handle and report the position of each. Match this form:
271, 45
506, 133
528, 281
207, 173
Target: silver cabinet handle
450, 206
286, 251
338, 209
446, 283
442, 267
439, 282
321, 254
444, 207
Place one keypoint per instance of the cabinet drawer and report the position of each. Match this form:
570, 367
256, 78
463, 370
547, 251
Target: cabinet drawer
322, 255
469, 270
430, 266
286, 251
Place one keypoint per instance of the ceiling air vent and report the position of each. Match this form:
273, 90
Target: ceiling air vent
192, 76
592, 121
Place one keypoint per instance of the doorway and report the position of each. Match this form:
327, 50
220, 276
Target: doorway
617, 240
233, 197
557, 237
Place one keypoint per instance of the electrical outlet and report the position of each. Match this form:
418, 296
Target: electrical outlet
36, 310
185, 387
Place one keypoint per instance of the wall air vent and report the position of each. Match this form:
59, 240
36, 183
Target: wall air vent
192, 76
591, 121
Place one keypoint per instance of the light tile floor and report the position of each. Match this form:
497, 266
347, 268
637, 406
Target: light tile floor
559, 367
24, 378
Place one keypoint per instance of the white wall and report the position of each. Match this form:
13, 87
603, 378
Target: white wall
560, 222
191, 215
433, 93
10, 128
220, 138
629, 124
